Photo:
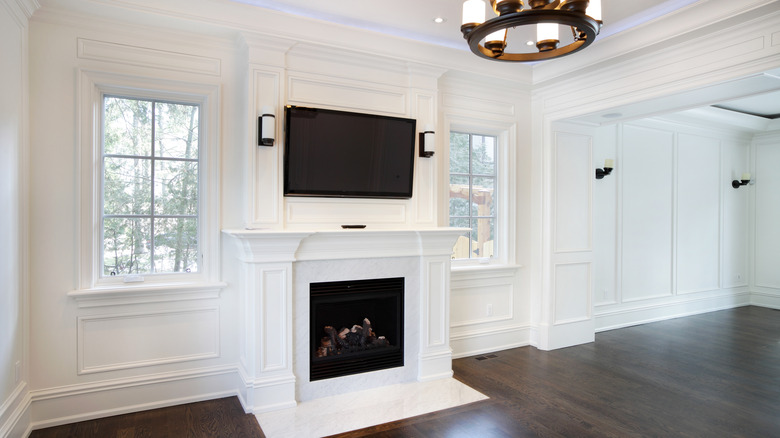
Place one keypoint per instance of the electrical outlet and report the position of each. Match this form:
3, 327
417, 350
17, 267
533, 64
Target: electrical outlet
489, 310
18, 371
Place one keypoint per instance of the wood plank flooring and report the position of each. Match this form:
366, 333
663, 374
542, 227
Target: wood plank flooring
710, 375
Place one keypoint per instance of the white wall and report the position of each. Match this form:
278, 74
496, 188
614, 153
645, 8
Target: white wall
92, 357
674, 239
13, 229
766, 255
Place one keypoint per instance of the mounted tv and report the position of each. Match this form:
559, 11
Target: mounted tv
347, 155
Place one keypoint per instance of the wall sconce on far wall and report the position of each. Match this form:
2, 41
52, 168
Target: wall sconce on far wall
266, 127
745, 180
427, 142
608, 166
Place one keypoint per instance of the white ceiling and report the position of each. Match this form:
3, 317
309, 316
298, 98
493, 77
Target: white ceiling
413, 19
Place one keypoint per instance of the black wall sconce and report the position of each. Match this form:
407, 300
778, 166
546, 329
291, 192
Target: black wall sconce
743, 182
608, 166
427, 142
266, 127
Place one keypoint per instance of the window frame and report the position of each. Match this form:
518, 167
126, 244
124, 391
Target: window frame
504, 180
94, 86
471, 175
153, 160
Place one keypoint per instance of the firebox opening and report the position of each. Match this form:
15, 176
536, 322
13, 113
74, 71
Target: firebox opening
356, 327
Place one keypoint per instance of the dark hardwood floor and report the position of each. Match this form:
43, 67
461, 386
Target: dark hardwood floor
711, 375
213, 418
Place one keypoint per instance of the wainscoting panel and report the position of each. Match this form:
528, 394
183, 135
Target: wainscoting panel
646, 172
698, 213
131, 340
489, 301
572, 292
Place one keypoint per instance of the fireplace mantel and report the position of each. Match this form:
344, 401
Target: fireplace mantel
271, 304
258, 245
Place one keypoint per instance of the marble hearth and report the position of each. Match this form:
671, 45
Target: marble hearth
277, 268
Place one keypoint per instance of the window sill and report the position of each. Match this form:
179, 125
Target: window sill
477, 271
145, 293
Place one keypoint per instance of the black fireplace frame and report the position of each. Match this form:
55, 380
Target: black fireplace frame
392, 292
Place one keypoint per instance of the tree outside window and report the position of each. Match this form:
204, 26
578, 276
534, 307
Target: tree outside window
473, 193
150, 186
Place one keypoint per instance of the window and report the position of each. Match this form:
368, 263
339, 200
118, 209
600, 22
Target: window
149, 185
472, 200
150, 190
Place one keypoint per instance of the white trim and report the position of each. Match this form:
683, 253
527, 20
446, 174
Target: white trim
62, 405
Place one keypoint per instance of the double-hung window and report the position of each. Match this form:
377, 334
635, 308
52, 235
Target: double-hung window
150, 190
472, 193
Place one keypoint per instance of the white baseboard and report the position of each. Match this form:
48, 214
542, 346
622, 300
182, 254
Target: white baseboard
15, 413
636, 315
471, 343
74, 403
765, 299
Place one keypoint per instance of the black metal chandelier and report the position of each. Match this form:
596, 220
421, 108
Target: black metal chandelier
488, 39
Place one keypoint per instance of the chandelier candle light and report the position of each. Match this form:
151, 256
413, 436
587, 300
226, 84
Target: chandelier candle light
583, 17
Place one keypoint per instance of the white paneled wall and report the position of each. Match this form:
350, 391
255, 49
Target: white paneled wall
766, 258
646, 167
698, 213
678, 243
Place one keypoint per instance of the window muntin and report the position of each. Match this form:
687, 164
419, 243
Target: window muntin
150, 186
472, 194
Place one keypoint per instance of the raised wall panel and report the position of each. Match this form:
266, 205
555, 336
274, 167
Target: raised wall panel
351, 96
572, 292
425, 172
646, 172
736, 204
488, 301
145, 57
323, 213
273, 308
767, 188
265, 188
573, 174
114, 342
698, 213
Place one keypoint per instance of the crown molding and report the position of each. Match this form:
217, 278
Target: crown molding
698, 21
21, 10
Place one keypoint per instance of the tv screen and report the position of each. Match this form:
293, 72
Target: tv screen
344, 154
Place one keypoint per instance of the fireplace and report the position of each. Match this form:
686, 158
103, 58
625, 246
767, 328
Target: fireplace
355, 327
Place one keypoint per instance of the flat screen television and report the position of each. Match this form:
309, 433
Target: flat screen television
343, 154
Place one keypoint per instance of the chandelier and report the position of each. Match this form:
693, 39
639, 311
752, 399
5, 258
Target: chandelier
583, 17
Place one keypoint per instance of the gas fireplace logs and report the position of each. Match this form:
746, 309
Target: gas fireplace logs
350, 340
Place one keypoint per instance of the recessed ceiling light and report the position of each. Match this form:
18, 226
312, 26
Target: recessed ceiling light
612, 115
439, 20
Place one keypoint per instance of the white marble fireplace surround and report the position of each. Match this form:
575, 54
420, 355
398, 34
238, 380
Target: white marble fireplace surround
277, 268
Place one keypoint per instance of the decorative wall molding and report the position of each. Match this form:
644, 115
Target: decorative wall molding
150, 338
104, 51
